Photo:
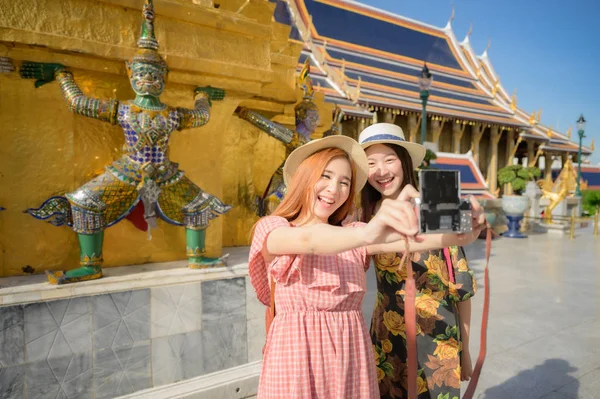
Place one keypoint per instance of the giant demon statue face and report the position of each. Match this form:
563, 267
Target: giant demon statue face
147, 79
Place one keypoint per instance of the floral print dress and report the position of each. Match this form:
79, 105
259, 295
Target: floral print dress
438, 329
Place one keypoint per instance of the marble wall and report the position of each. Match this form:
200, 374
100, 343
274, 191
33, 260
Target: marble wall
109, 345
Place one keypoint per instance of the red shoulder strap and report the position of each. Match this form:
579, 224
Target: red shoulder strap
484, 319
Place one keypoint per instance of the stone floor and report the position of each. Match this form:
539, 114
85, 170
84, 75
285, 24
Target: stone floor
544, 327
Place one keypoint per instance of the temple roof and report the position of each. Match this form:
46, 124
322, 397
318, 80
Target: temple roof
382, 60
364, 57
591, 174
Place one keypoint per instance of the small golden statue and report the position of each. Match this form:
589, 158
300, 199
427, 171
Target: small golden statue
557, 191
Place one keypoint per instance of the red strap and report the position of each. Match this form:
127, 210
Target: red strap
484, 319
449, 265
410, 315
410, 318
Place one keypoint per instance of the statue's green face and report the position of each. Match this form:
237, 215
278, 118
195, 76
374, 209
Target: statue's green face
147, 79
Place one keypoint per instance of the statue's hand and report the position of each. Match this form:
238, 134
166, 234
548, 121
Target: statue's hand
41, 71
214, 94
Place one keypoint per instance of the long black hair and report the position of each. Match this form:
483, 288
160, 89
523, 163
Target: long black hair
370, 196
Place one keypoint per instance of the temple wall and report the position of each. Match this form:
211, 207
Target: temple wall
46, 150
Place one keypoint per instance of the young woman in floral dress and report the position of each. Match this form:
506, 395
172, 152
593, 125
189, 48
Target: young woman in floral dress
318, 345
443, 308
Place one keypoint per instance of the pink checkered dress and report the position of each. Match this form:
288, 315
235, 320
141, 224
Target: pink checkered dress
318, 345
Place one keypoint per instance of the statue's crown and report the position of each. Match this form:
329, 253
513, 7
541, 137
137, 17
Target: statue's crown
147, 44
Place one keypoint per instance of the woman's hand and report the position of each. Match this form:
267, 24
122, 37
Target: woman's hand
478, 215
477, 221
394, 216
466, 368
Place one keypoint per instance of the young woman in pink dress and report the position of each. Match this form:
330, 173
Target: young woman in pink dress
318, 345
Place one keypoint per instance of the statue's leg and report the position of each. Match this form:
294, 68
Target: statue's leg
199, 209
90, 260
94, 206
195, 240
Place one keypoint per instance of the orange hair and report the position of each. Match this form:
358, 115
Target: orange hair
299, 199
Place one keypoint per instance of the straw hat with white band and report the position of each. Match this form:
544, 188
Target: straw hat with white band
388, 133
345, 143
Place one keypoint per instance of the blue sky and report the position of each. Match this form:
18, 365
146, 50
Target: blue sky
546, 50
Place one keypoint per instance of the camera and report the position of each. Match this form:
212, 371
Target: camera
440, 208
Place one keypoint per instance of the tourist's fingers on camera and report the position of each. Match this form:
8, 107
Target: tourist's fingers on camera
475, 205
408, 218
400, 219
408, 193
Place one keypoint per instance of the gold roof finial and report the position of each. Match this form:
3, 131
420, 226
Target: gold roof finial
538, 118
593, 146
489, 44
513, 101
495, 89
355, 94
532, 119
569, 132
550, 133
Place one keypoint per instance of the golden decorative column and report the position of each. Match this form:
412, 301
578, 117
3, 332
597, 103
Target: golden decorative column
457, 132
413, 127
530, 152
389, 117
476, 134
492, 175
437, 127
510, 146
362, 125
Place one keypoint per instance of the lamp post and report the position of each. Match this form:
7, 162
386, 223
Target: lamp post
425, 80
580, 132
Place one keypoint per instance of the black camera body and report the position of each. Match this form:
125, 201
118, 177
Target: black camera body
440, 208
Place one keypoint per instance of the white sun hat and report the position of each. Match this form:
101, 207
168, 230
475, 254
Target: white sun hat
345, 143
388, 133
